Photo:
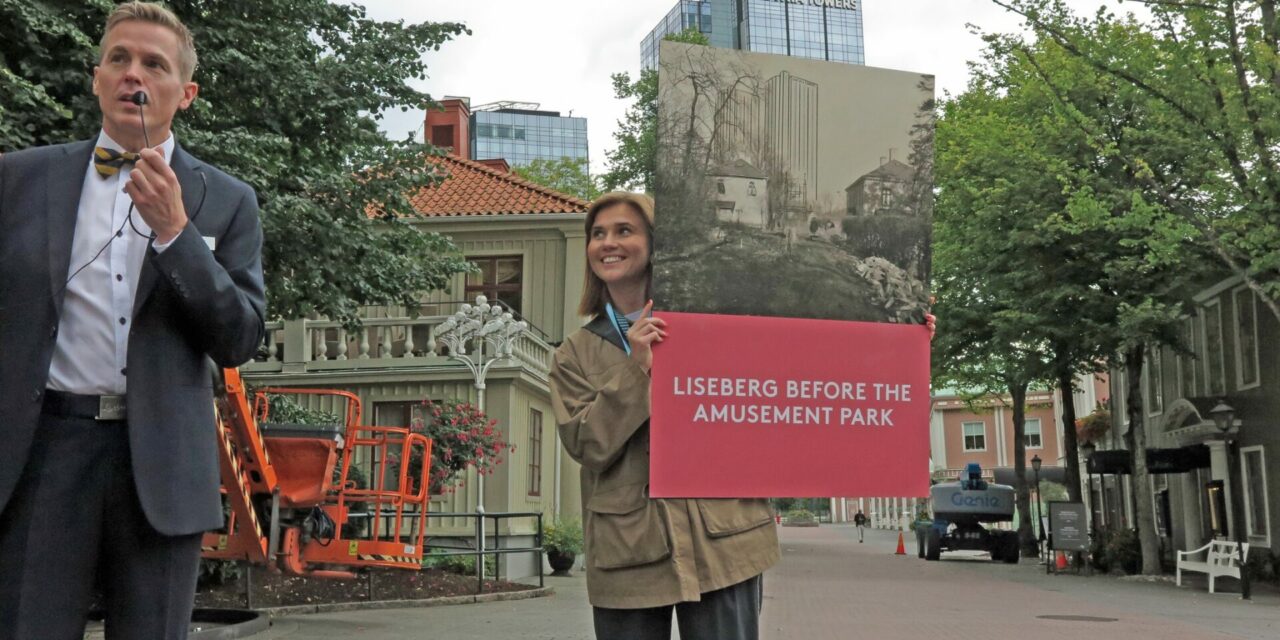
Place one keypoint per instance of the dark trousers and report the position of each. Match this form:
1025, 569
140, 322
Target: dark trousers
73, 526
731, 613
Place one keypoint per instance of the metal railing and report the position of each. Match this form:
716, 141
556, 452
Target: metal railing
497, 553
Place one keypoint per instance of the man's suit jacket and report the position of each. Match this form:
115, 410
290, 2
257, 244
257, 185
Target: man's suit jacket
192, 305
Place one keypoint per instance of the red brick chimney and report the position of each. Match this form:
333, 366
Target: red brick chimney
452, 127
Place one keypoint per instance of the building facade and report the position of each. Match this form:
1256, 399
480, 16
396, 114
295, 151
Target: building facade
517, 132
521, 135
816, 29
963, 429
529, 246
1197, 471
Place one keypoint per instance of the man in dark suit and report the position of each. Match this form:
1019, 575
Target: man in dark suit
124, 280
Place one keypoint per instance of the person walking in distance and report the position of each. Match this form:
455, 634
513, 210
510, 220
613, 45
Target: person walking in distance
860, 520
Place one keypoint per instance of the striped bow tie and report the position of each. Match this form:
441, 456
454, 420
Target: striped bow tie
108, 161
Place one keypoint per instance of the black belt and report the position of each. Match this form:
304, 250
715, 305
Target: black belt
74, 405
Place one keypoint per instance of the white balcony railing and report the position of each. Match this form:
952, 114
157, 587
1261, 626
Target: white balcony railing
299, 346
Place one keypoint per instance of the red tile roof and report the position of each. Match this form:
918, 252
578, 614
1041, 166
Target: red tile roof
472, 189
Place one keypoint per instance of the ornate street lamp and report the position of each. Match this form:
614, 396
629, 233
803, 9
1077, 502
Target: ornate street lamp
1224, 418
1035, 466
491, 333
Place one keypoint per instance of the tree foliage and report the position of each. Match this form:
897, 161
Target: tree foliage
290, 97
634, 160
566, 175
1053, 257
1208, 75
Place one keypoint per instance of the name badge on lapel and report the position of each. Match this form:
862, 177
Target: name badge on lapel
211, 242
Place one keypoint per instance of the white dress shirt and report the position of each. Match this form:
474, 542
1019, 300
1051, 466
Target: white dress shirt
91, 351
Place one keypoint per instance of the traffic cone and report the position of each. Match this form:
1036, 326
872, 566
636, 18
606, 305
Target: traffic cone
1061, 562
902, 549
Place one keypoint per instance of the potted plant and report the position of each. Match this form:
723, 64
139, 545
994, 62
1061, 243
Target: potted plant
562, 539
1091, 428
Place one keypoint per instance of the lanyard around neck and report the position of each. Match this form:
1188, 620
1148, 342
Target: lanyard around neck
613, 319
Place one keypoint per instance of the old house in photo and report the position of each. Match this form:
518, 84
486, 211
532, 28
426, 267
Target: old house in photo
884, 191
741, 194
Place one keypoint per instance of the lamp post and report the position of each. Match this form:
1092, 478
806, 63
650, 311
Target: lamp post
1224, 417
1035, 466
1088, 449
491, 334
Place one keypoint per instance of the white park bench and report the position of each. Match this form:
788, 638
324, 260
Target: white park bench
1222, 559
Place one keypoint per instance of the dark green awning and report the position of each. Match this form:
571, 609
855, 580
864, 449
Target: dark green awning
1180, 460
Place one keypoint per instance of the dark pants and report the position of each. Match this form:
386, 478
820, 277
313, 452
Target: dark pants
74, 523
731, 613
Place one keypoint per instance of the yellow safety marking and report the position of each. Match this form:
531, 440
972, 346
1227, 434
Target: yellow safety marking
353, 547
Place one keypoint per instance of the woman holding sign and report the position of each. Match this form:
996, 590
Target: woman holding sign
646, 557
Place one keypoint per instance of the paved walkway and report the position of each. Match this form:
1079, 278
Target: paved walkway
829, 586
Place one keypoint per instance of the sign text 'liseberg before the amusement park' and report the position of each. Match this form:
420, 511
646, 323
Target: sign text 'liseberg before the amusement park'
851, 5
842, 406
793, 414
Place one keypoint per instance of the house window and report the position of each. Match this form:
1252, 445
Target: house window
1246, 307
1153, 393
720, 187
751, 188
975, 436
1214, 366
409, 413
499, 278
1187, 361
886, 197
1257, 509
535, 452
397, 414
1032, 433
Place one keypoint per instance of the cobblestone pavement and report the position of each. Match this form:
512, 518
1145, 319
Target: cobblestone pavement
830, 586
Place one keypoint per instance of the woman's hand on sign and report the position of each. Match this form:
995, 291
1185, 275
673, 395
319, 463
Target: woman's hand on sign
646, 331
931, 321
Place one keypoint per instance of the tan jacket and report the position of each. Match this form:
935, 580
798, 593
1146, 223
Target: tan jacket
643, 552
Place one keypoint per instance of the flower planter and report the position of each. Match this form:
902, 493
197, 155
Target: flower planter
560, 562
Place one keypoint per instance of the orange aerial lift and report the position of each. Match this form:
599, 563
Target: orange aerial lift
292, 504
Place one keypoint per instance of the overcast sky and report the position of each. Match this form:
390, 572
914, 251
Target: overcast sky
560, 53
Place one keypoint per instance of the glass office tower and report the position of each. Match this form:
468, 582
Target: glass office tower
521, 136
815, 29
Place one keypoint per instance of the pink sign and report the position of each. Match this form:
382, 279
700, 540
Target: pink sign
781, 407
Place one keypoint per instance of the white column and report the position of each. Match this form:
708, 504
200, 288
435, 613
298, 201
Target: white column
938, 440
1002, 456
1218, 460
1192, 520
